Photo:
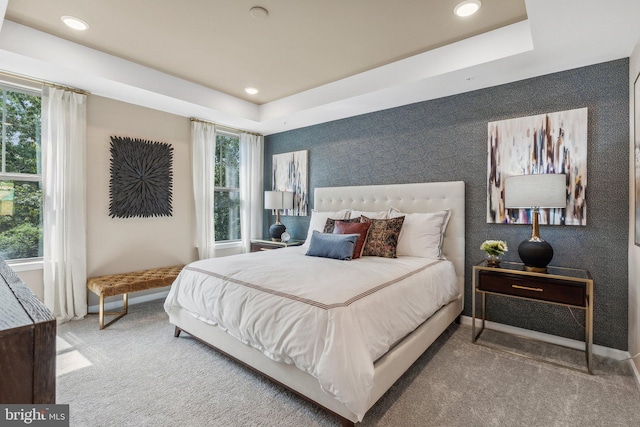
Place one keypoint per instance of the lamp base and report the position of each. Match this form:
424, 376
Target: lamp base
535, 269
536, 254
276, 230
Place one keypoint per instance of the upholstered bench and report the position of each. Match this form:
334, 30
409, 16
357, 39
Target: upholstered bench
123, 284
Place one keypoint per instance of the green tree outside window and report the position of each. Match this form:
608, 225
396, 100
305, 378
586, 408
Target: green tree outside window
20, 176
227, 188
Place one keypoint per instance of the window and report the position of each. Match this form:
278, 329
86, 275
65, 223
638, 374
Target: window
20, 175
227, 187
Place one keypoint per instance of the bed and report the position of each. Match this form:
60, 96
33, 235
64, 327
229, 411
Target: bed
347, 387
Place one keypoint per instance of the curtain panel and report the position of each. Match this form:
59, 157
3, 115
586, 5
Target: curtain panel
203, 160
251, 187
64, 214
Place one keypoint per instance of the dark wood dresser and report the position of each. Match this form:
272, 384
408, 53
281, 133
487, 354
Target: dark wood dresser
27, 344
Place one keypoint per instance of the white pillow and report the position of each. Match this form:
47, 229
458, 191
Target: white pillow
373, 215
422, 234
318, 220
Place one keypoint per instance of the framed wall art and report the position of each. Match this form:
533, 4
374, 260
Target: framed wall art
141, 178
290, 173
545, 143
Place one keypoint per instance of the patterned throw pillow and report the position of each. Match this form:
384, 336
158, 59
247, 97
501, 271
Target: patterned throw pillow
383, 237
360, 228
331, 223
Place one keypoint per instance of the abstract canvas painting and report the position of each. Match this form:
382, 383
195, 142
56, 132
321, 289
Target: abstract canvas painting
545, 143
141, 178
290, 173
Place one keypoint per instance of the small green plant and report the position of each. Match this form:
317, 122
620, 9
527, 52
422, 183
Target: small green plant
494, 247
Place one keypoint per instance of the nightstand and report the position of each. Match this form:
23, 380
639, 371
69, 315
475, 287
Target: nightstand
267, 245
569, 287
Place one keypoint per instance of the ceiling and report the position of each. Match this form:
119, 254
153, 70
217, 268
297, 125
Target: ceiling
298, 46
312, 61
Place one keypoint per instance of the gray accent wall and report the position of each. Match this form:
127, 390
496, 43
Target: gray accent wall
446, 140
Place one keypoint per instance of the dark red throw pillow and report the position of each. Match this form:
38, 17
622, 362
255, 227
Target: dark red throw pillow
361, 228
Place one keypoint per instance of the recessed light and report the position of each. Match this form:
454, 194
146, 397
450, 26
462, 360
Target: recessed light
467, 8
75, 23
251, 90
258, 12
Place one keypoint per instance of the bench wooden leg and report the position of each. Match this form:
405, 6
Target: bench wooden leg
125, 310
101, 313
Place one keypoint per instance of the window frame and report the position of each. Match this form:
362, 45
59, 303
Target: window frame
32, 263
221, 244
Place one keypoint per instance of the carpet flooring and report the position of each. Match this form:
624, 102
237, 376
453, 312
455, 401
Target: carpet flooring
135, 373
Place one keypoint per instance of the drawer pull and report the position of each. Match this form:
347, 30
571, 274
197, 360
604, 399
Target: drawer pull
527, 288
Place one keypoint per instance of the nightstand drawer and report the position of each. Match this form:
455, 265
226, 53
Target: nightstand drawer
534, 287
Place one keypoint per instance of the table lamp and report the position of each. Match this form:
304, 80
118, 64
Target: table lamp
535, 192
277, 200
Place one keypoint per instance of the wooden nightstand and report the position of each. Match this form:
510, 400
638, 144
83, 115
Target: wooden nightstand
569, 287
267, 245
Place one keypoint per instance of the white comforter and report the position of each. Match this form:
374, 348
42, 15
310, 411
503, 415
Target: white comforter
330, 318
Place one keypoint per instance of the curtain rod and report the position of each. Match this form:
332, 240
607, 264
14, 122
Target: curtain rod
193, 119
43, 82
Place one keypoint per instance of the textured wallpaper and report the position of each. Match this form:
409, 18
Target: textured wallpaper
446, 140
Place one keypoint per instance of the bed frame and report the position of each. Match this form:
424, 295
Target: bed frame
408, 198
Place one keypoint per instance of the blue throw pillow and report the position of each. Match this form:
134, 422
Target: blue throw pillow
336, 246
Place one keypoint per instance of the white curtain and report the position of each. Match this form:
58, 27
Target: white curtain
64, 217
203, 160
251, 187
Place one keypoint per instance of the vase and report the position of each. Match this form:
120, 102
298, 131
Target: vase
493, 260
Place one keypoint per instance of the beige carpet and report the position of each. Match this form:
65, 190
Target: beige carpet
135, 373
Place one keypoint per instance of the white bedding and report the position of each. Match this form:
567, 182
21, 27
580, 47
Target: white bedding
330, 318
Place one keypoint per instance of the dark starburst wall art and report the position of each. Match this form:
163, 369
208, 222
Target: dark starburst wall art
141, 178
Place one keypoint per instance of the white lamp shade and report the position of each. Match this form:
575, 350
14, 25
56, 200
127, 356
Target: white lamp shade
287, 200
278, 200
536, 191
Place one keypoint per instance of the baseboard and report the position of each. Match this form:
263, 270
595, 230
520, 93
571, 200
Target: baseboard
599, 350
117, 305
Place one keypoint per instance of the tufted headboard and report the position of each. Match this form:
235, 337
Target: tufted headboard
408, 198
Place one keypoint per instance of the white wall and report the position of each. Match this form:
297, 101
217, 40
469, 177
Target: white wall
634, 251
33, 279
118, 245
